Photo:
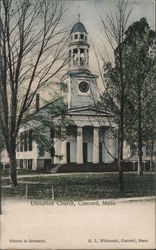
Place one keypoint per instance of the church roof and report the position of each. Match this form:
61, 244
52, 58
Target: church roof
88, 110
78, 27
82, 72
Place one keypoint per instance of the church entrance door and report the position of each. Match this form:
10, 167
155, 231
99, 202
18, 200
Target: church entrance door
85, 155
68, 152
100, 152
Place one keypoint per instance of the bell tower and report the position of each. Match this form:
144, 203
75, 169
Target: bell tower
80, 84
78, 48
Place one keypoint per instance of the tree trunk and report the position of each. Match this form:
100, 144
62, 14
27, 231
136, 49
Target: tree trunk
151, 155
12, 168
120, 151
121, 122
140, 153
140, 167
120, 159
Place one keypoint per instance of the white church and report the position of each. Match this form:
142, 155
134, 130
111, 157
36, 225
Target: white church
92, 140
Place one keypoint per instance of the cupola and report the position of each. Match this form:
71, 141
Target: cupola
78, 27
78, 47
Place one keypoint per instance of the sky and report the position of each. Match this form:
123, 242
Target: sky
91, 12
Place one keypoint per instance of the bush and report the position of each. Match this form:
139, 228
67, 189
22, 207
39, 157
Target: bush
88, 167
99, 167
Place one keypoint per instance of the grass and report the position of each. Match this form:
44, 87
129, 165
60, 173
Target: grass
83, 186
5, 172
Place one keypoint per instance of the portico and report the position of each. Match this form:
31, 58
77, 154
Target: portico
90, 141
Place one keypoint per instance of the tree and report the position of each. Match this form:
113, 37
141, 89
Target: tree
45, 124
138, 74
1, 141
149, 115
115, 31
32, 52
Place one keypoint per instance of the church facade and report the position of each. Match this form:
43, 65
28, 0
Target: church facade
91, 139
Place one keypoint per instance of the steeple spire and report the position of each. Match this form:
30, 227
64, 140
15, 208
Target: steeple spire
78, 16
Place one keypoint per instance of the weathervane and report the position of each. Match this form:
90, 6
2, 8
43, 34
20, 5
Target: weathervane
79, 15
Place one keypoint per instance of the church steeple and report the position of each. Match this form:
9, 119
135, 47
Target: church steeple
79, 47
78, 17
80, 84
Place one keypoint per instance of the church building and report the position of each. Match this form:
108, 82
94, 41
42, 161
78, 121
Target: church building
91, 139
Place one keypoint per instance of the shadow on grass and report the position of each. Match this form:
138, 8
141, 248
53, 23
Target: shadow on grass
82, 186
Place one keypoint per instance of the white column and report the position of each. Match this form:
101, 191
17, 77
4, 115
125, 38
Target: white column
64, 152
25, 164
79, 145
87, 57
72, 58
36, 153
35, 164
78, 57
96, 145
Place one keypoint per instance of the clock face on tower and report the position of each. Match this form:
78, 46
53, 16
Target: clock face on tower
83, 87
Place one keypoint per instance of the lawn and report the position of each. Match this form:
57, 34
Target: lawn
82, 186
5, 172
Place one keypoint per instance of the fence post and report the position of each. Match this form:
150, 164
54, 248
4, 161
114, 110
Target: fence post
52, 192
26, 190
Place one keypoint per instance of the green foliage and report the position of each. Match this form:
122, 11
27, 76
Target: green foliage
139, 77
50, 117
71, 130
63, 86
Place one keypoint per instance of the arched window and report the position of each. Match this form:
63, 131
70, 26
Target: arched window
75, 56
82, 56
87, 57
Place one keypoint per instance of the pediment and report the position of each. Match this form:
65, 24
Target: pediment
92, 111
